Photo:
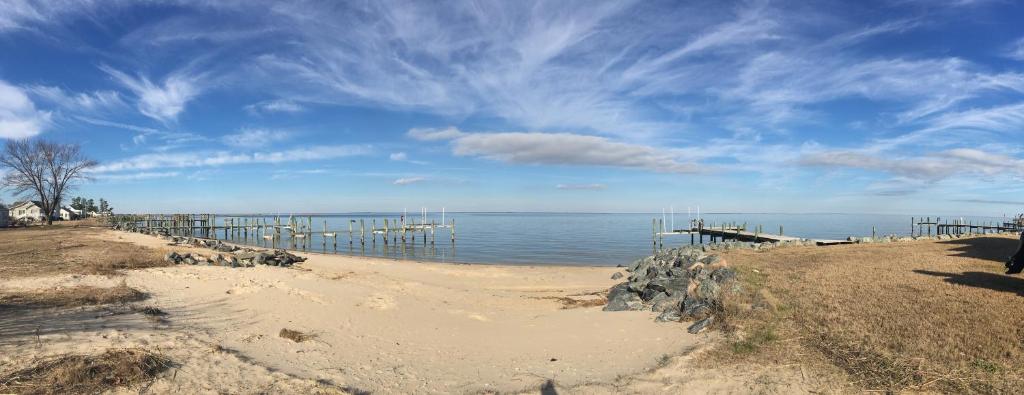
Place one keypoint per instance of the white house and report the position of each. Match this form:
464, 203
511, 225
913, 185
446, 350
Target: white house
68, 213
27, 210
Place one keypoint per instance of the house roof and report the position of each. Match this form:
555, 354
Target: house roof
27, 202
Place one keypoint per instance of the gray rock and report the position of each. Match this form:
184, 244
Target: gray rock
696, 309
617, 275
669, 316
699, 326
620, 299
674, 302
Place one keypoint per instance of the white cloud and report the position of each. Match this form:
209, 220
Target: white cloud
138, 176
255, 138
223, 158
78, 102
162, 102
409, 180
272, 106
166, 139
434, 134
399, 156
1016, 50
933, 167
19, 117
582, 187
558, 149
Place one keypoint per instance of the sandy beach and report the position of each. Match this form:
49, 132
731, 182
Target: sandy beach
377, 325
803, 320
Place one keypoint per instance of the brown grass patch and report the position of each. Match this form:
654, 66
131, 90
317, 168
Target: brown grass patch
577, 301
81, 295
49, 250
85, 374
295, 336
928, 315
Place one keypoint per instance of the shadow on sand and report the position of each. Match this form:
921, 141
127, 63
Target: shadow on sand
993, 281
989, 248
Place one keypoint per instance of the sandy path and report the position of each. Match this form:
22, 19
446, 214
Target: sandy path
401, 326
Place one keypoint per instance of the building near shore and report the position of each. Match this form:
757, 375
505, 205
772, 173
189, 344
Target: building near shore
29, 210
69, 214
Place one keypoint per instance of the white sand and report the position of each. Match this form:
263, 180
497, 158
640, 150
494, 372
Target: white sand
384, 326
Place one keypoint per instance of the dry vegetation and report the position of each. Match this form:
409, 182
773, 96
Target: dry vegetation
71, 297
70, 248
85, 374
903, 316
295, 336
60, 249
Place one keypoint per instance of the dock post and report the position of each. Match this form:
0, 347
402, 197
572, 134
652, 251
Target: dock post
386, 231
757, 232
780, 230
654, 234
873, 235
362, 232
432, 235
911, 226
350, 232
929, 222
373, 231
661, 235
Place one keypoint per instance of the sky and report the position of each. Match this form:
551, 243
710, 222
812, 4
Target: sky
902, 106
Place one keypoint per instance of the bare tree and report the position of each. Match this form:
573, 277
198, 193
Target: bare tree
43, 169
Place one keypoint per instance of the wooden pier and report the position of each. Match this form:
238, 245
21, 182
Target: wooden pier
294, 232
919, 227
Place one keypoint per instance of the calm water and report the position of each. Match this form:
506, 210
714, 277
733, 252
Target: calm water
568, 239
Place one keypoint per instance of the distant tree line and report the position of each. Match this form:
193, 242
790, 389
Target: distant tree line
89, 206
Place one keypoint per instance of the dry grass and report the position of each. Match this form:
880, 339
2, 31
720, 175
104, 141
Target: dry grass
578, 301
72, 296
74, 249
902, 316
295, 336
85, 374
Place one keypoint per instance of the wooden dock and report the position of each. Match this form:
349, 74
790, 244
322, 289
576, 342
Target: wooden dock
919, 227
287, 232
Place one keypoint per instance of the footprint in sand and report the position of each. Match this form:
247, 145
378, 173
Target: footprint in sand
470, 314
379, 302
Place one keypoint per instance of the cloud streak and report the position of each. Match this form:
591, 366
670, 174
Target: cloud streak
533, 148
225, 158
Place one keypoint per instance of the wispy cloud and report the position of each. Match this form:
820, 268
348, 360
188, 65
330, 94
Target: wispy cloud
582, 187
990, 201
166, 139
138, 176
19, 117
934, 166
255, 138
558, 149
161, 101
434, 134
408, 180
223, 158
275, 106
78, 102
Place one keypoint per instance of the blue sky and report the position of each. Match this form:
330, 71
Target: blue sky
913, 107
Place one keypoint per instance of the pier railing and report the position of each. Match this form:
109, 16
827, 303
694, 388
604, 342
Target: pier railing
270, 231
715, 232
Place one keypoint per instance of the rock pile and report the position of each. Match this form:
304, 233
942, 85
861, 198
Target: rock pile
241, 259
216, 245
680, 283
